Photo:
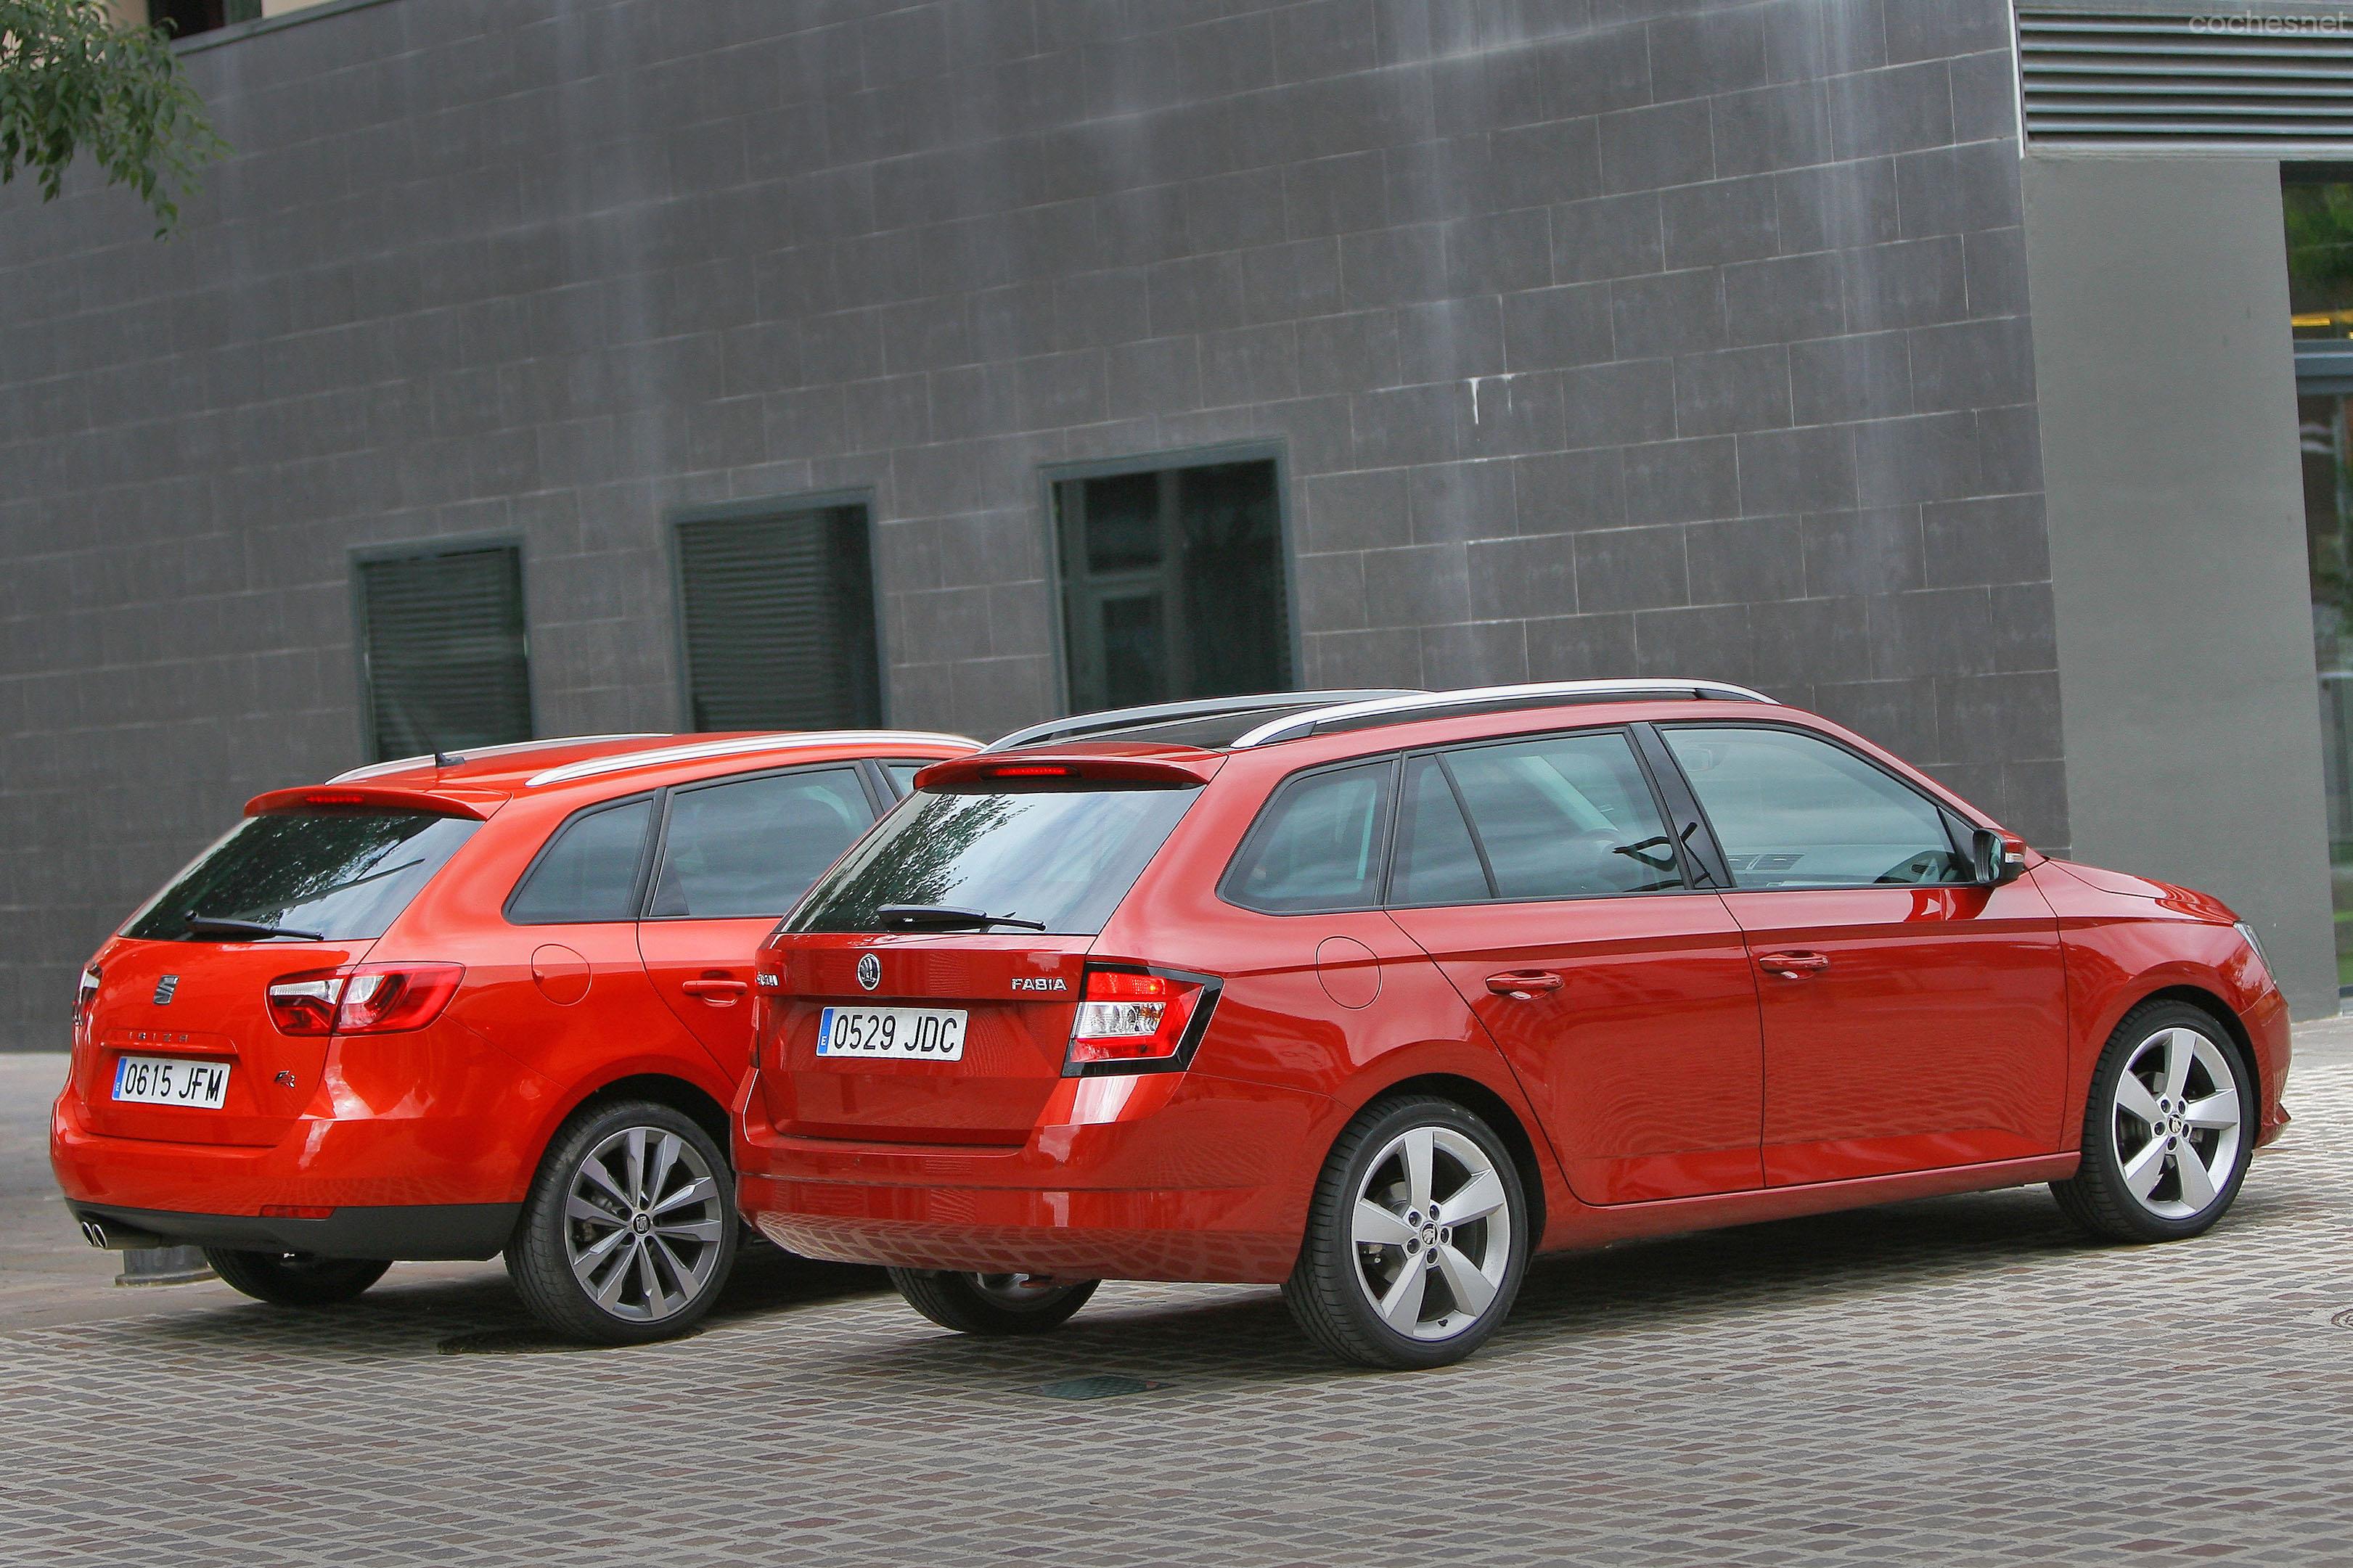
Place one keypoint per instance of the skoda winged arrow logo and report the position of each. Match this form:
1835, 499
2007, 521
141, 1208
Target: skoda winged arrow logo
870, 972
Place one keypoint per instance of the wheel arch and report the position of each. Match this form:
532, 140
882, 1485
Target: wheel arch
683, 1095
1498, 1113
2213, 1006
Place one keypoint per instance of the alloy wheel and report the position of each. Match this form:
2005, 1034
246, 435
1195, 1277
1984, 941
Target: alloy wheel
1433, 1233
643, 1223
2177, 1123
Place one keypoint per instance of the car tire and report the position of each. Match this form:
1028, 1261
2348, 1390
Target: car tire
1363, 1285
629, 1232
2169, 1126
992, 1304
295, 1278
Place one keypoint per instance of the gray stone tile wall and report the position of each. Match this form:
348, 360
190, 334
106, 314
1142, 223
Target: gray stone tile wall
1600, 337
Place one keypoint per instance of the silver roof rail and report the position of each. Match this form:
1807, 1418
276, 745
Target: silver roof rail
740, 745
1433, 705
376, 769
1083, 724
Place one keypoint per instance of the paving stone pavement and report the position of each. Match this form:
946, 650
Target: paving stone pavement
1960, 1380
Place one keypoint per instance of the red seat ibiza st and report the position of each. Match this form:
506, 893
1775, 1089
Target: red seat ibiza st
450, 1009
1379, 998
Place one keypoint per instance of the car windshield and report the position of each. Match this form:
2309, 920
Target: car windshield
1061, 858
342, 875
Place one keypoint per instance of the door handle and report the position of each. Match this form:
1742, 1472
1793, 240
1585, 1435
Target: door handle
1523, 985
717, 990
1792, 966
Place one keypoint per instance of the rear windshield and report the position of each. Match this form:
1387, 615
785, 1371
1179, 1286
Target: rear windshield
1061, 857
343, 874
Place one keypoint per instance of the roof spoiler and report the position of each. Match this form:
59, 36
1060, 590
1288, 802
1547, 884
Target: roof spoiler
476, 803
1105, 762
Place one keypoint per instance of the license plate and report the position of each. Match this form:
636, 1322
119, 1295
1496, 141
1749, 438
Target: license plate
171, 1080
897, 1034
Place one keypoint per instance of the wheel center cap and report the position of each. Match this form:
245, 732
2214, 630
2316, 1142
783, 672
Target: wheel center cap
1429, 1234
641, 1225
2173, 1125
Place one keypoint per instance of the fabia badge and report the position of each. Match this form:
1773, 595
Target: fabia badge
164, 989
870, 972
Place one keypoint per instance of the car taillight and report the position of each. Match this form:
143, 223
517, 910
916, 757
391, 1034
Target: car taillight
363, 998
1136, 1020
84, 995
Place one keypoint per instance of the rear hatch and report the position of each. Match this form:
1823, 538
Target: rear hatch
896, 925
176, 990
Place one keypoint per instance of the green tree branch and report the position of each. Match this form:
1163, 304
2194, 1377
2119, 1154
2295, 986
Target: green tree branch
71, 81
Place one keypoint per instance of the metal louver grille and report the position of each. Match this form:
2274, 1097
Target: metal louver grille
778, 614
443, 645
2100, 78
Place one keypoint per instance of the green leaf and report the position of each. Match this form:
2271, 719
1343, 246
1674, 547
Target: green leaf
72, 82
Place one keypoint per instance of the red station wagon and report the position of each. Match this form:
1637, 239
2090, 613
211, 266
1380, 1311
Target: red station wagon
1378, 998
450, 1008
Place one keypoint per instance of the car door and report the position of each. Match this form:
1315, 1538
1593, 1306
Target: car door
735, 854
1913, 1019
1540, 874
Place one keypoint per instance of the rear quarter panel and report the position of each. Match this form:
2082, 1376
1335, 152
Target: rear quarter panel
568, 1007
1344, 1007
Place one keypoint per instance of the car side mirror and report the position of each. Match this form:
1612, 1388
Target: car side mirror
1995, 857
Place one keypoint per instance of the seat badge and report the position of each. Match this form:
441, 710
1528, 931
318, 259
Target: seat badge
870, 972
164, 988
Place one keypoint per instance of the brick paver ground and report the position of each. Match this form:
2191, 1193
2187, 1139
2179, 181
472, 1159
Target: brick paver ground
1961, 1381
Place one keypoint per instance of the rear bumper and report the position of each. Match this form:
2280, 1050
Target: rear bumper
367, 1162
1168, 1176
417, 1232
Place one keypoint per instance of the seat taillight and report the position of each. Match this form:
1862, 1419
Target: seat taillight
1135, 1020
363, 998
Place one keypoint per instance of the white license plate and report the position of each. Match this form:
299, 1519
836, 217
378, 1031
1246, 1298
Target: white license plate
897, 1034
171, 1080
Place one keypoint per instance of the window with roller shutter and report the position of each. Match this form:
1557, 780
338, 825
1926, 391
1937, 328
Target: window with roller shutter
777, 620
445, 664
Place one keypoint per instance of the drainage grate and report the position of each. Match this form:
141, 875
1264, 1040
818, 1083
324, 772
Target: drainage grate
528, 1342
1102, 1385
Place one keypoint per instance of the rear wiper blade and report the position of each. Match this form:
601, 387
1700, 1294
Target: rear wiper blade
221, 925
945, 917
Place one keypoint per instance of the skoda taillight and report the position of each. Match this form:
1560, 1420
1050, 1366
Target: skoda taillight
1137, 1020
363, 998
84, 995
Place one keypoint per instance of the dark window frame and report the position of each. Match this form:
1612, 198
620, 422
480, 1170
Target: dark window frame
1211, 455
862, 767
760, 509
363, 555
1687, 866
1263, 821
1958, 827
642, 877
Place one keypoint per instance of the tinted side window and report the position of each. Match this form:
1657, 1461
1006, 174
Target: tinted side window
903, 775
1791, 810
1567, 817
1436, 863
1317, 846
753, 847
589, 871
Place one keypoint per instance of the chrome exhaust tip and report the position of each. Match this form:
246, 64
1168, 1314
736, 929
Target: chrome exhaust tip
94, 1233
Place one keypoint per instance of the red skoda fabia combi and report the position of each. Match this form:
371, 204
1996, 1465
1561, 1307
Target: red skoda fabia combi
447, 1008
1378, 998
